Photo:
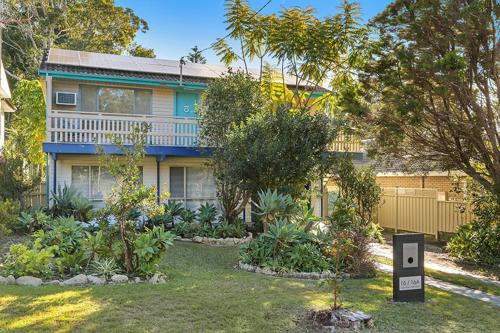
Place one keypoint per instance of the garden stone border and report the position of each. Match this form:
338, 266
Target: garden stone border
81, 280
217, 241
295, 275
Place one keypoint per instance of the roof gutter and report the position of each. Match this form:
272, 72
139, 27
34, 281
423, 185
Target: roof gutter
120, 79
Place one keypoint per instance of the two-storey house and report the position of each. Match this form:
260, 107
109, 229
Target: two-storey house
5, 103
90, 96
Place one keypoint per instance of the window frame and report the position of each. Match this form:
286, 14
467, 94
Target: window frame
90, 165
185, 198
99, 87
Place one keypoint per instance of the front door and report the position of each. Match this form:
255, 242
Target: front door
185, 104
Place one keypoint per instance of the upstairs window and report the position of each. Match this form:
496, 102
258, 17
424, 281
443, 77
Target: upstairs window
115, 100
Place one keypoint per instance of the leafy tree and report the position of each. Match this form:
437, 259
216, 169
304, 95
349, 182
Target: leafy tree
137, 50
128, 193
89, 25
432, 82
277, 149
357, 184
308, 48
227, 102
23, 160
196, 57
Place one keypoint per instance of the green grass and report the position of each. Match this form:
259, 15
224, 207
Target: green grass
206, 293
457, 279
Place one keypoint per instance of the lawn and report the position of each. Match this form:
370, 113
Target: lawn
206, 294
457, 279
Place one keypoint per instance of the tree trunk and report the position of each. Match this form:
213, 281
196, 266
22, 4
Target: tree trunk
126, 253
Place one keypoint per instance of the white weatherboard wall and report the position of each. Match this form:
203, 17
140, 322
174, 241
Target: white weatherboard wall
65, 162
162, 103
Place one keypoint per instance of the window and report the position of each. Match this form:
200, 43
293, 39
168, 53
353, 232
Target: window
92, 182
193, 186
115, 100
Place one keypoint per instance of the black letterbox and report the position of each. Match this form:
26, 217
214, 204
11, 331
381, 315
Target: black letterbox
408, 274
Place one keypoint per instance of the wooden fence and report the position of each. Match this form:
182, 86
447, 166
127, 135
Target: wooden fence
419, 210
37, 198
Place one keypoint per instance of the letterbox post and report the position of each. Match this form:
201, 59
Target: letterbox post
408, 268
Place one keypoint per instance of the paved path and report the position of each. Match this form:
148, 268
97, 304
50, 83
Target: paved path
450, 287
386, 251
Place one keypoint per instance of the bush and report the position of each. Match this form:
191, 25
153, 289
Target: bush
9, 211
478, 242
69, 202
64, 232
148, 248
206, 214
234, 230
105, 267
285, 247
25, 261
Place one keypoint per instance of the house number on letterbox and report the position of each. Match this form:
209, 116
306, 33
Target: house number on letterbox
410, 282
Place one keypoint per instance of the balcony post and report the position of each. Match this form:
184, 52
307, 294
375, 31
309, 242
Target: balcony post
48, 107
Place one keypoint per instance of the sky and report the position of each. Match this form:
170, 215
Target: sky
175, 26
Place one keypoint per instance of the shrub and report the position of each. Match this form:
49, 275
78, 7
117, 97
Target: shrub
104, 267
350, 235
479, 241
172, 211
234, 230
148, 248
69, 202
273, 205
188, 216
308, 257
71, 264
206, 214
64, 232
25, 261
286, 247
9, 211
186, 230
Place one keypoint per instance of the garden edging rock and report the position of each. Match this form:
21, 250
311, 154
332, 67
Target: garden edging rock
79, 280
295, 275
29, 281
217, 241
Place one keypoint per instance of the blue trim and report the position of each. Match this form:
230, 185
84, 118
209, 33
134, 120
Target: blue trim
71, 148
120, 79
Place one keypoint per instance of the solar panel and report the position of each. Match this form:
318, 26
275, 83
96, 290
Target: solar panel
140, 64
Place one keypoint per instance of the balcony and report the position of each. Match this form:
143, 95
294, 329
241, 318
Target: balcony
75, 127
99, 128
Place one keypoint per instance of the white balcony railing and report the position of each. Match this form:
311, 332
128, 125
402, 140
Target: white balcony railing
99, 128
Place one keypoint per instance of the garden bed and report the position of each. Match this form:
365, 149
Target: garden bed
229, 241
295, 275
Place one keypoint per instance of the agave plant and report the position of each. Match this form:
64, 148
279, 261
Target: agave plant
188, 216
26, 222
172, 210
81, 207
105, 267
273, 205
63, 201
206, 214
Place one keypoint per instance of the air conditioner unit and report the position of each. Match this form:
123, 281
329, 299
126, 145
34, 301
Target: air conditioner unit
65, 98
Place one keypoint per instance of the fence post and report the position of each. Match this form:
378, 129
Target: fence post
437, 216
397, 210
